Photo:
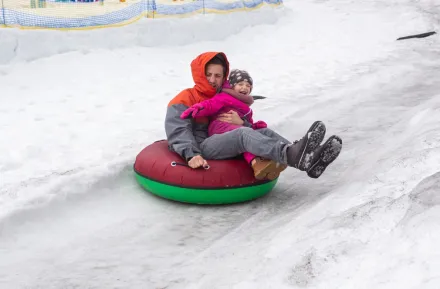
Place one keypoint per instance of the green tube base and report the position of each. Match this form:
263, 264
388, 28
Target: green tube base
206, 196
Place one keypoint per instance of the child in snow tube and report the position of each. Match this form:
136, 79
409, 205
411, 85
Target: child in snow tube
241, 82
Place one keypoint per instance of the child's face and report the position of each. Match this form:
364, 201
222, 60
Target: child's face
243, 87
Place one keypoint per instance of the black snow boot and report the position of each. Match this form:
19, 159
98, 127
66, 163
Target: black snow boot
321, 157
296, 152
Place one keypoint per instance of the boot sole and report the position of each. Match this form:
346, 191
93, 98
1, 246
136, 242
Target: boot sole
271, 171
316, 136
332, 149
318, 127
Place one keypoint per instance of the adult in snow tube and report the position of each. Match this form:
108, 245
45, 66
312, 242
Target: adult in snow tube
188, 138
164, 174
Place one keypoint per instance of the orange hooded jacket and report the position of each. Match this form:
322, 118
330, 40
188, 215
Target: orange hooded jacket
185, 135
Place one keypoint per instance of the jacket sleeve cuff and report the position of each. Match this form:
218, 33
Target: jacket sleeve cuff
246, 123
190, 155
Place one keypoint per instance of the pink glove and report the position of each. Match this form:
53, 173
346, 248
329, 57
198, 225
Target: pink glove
192, 111
259, 124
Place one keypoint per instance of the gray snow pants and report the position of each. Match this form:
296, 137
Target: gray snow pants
263, 142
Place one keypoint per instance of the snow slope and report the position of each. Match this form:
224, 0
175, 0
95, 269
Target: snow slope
72, 215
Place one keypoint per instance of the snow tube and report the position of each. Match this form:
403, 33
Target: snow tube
163, 173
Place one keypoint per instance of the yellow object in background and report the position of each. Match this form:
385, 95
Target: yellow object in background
92, 14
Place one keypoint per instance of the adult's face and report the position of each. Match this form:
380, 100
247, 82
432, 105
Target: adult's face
214, 75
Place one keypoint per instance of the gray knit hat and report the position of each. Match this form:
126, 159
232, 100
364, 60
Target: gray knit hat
238, 75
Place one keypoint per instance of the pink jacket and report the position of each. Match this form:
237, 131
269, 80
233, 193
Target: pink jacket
222, 103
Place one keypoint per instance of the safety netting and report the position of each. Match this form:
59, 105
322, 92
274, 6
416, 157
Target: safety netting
87, 14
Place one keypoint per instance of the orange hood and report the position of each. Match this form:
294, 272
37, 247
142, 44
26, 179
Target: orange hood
198, 72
